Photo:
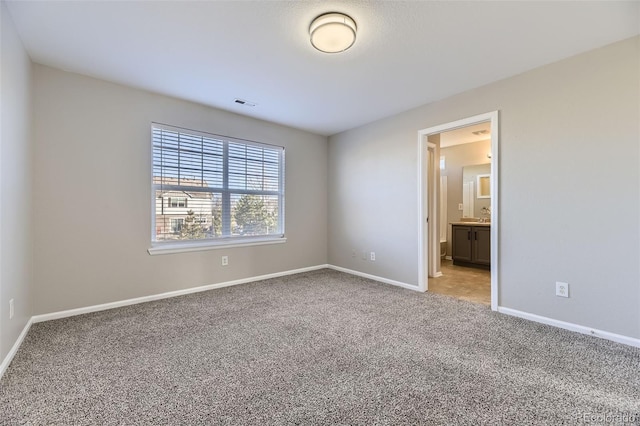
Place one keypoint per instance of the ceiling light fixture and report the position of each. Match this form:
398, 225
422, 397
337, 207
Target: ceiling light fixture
333, 32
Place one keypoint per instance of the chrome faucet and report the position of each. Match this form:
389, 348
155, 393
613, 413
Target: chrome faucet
485, 211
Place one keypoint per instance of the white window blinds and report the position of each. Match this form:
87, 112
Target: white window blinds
216, 187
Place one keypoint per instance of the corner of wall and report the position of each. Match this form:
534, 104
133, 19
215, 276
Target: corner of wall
16, 165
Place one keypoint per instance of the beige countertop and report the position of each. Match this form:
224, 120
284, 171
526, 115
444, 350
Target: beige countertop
471, 223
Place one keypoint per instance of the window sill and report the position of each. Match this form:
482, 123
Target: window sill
171, 248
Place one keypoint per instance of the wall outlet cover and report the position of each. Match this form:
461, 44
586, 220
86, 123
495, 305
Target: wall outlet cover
562, 289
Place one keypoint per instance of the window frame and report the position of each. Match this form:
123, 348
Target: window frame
225, 191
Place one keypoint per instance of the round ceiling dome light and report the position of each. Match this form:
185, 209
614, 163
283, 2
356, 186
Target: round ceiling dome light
333, 32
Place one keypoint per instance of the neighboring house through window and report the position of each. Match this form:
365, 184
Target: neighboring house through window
215, 188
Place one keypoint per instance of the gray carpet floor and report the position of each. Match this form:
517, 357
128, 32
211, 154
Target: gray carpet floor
310, 349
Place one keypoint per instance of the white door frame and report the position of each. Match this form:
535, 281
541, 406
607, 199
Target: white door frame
432, 171
424, 206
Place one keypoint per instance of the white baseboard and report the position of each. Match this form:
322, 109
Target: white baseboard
448, 258
7, 360
572, 327
143, 299
374, 277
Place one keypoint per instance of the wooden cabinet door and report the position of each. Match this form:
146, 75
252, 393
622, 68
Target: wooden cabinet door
482, 245
461, 243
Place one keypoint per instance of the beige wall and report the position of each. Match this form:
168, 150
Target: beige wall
92, 186
560, 119
15, 185
456, 157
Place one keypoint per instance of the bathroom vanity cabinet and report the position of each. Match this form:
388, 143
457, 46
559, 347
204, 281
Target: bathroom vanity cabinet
471, 245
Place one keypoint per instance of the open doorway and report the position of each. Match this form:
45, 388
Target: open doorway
465, 214
459, 209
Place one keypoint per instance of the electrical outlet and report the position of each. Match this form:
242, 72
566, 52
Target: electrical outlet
10, 308
353, 253
562, 289
225, 260
373, 255
460, 207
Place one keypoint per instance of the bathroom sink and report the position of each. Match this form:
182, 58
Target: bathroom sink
469, 219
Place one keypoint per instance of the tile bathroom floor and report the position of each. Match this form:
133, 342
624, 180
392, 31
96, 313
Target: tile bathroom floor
471, 284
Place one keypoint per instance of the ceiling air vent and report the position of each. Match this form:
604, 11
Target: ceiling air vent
245, 102
480, 132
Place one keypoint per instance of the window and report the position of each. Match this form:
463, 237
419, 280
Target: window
177, 202
176, 225
216, 189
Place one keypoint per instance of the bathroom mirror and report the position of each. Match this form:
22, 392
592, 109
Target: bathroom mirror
476, 189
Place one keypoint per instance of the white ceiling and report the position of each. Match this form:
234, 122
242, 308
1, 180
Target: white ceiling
465, 135
407, 53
